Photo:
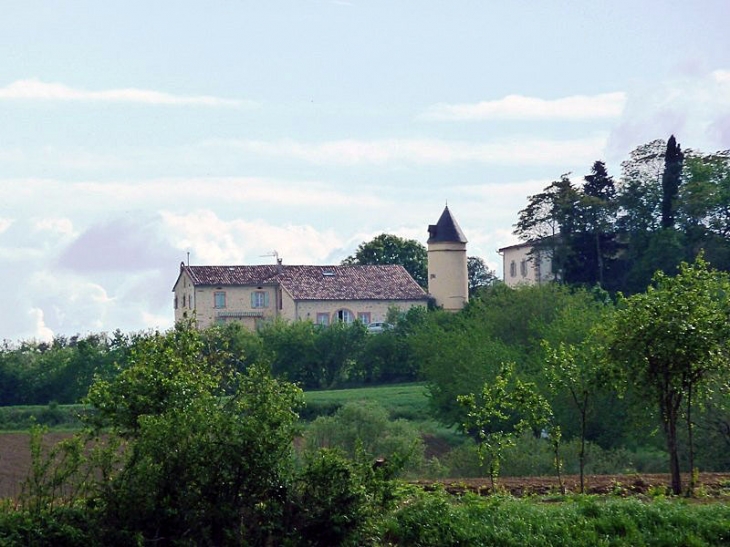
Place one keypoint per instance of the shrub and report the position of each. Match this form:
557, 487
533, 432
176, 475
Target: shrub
366, 425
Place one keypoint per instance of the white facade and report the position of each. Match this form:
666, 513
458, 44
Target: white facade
523, 266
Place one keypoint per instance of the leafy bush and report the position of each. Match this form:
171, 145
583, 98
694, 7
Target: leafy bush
60, 527
437, 519
366, 426
331, 503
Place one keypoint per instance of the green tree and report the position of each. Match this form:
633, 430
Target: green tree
503, 409
705, 195
549, 222
339, 347
199, 466
594, 241
704, 206
670, 340
579, 371
291, 350
671, 180
640, 191
391, 249
479, 274
455, 355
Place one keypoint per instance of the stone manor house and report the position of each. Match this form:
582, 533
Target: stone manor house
324, 294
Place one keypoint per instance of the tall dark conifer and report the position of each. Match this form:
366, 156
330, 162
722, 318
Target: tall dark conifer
673, 161
596, 243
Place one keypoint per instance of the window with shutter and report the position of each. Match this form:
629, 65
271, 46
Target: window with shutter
259, 299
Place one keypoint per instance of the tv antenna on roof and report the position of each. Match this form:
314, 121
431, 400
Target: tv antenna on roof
274, 254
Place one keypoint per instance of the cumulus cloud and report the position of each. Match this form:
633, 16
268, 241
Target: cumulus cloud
510, 151
54, 225
519, 107
212, 240
695, 107
34, 89
70, 303
120, 245
40, 331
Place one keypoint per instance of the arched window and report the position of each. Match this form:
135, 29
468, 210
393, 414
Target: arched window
345, 316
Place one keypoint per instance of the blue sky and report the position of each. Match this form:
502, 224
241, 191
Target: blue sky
132, 133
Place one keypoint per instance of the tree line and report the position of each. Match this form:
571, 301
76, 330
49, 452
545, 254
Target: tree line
667, 206
610, 370
182, 448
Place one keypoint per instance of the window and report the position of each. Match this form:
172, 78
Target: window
183, 301
512, 269
364, 318
259, 299
523, 268
175, 302
345, 316
323, 318
219, 299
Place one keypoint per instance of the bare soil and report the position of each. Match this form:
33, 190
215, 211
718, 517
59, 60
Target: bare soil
709, 484
15, 459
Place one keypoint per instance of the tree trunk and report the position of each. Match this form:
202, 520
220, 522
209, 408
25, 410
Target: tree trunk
582, 455
669, 418
599, 259
690, 440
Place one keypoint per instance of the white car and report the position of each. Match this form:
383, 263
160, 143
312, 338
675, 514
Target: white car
378, 327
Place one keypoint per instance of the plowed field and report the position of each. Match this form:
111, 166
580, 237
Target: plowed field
710, 484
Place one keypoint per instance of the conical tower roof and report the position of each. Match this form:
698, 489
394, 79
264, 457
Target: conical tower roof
446, 230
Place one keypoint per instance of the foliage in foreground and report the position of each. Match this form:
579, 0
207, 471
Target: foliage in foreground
182, 449
438, 519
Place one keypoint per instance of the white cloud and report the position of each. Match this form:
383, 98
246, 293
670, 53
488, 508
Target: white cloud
695, 107
20, 254
12, 155
55, 225
430, 151
40, 331
78, 304
5, 223
212, 240
519, 107
245, 190
34, 89
722, 76
156, 321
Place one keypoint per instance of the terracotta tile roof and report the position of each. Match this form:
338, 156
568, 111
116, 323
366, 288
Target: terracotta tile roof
231, 275
386, 282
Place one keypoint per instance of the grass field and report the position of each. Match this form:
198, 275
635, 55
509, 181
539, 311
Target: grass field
408, 401
53, 416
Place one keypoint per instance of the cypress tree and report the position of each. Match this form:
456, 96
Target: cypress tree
670, 181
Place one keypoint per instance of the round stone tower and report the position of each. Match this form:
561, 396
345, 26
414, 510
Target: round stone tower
448, 280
